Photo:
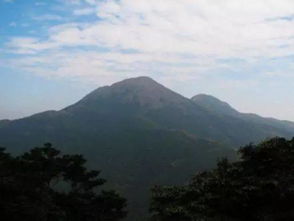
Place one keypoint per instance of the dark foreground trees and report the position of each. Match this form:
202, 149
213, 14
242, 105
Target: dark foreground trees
43, 185
259, 187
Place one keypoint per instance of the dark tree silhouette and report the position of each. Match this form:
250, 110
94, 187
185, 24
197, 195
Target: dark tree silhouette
44, 185
258, 187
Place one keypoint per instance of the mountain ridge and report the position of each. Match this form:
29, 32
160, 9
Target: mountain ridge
145, 99
198, 98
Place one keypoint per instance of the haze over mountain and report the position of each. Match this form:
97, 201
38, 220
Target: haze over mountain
140, 133
271, 126
213, 104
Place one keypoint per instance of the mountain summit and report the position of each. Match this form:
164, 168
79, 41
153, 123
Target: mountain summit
141, 91
213, 104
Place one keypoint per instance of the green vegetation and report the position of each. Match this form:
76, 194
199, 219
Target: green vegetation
43, 185
258, 187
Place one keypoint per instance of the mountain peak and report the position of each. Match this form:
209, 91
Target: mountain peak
212, 103
143, 80
142, 91
207, 97
137, 84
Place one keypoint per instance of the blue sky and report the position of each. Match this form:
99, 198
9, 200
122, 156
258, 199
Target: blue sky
53, 52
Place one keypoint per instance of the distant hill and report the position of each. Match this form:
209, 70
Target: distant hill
140, 133
260, 126
214, 105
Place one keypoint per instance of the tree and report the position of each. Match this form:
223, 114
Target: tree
258, 187
44, 185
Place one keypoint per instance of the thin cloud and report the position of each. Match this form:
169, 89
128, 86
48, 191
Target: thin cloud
48, 17
9, 1
84, 11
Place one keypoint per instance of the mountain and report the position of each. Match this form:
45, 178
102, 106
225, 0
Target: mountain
262, 127
215, 105
140, 133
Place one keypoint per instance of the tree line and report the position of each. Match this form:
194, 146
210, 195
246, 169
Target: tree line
45, 185
258, 187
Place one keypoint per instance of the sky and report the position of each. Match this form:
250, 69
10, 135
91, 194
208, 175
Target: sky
54, 52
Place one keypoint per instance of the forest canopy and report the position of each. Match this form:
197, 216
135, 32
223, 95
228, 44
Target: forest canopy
258, 187
45, 185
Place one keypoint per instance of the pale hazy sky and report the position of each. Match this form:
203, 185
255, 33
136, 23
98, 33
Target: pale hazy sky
53, 52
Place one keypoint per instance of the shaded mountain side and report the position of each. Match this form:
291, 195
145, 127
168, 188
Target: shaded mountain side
132, 152
164, 157
4, 122
131, 158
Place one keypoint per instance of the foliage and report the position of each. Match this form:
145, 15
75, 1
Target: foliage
44, 185
258, 187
